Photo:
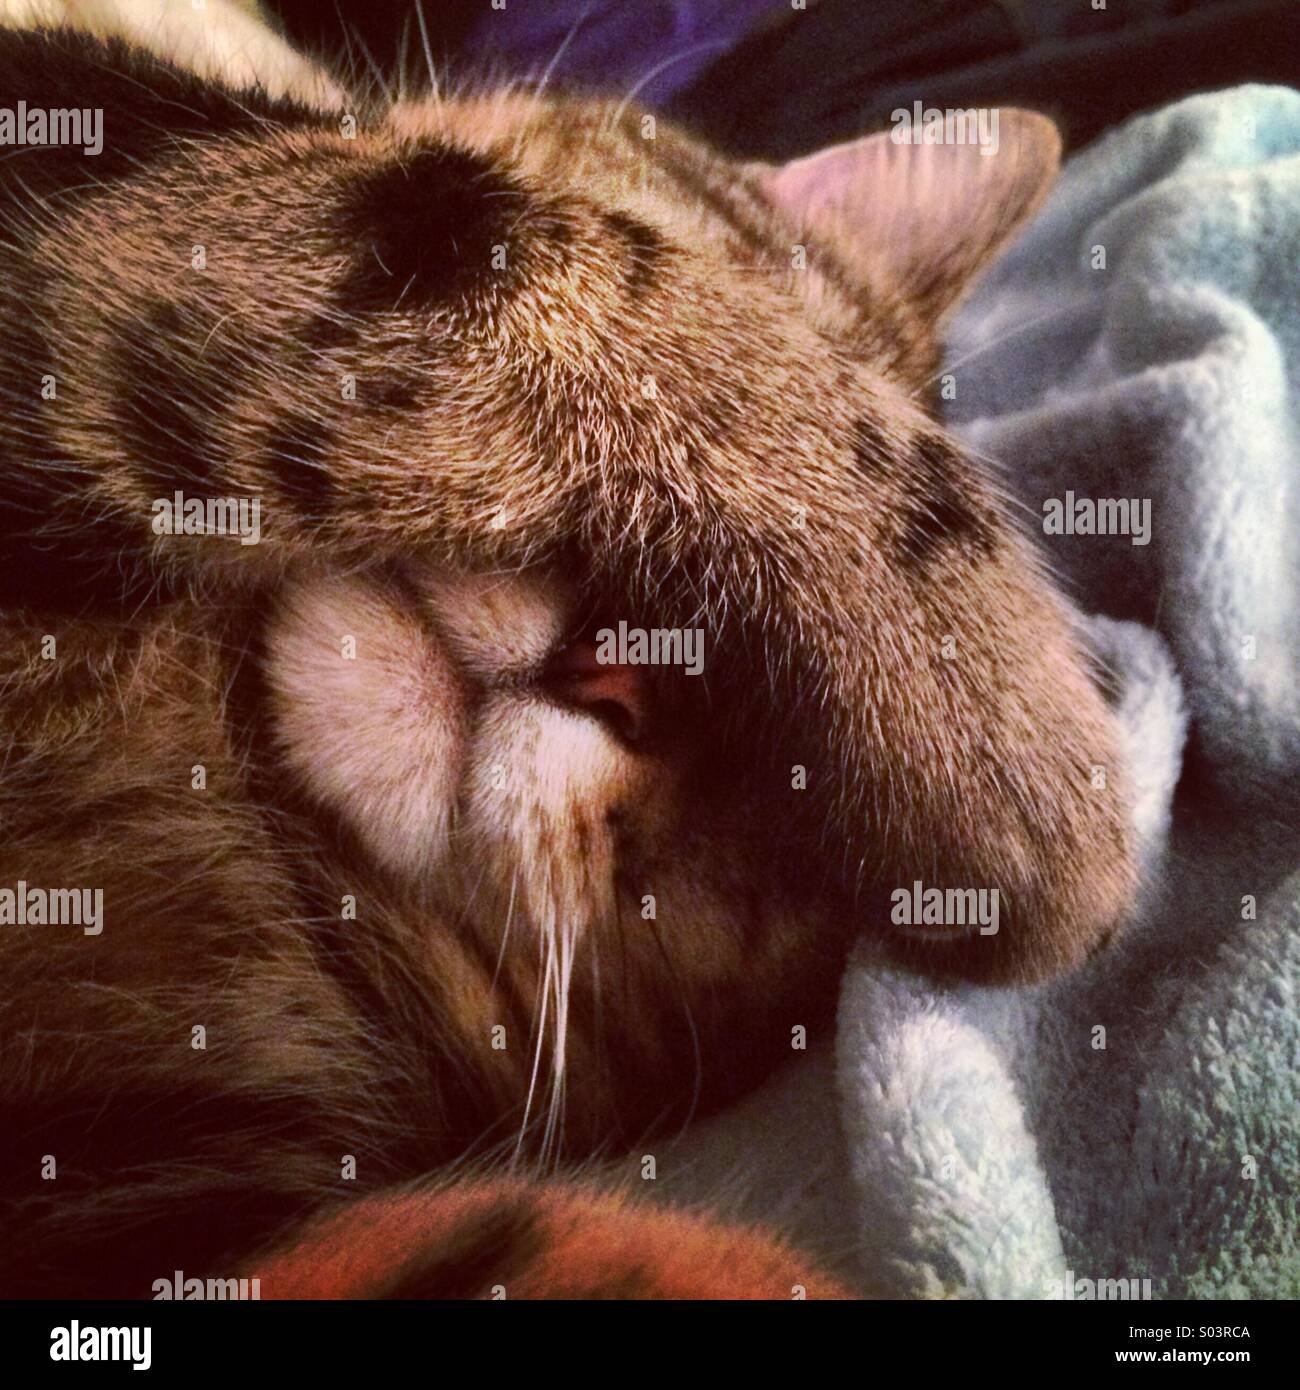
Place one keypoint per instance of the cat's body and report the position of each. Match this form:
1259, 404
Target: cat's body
499, 371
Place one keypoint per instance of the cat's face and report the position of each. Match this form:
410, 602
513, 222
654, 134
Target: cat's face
500, 370
366, 809
577, 815
605, 288
465, 728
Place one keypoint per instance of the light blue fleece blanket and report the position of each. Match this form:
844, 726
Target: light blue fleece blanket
1137, 1121
1131, 1130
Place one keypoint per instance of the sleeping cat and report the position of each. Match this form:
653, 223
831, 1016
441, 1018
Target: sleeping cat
411, 905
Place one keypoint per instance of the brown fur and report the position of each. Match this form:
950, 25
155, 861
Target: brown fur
780, 487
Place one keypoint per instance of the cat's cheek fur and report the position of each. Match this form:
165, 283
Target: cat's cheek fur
497, 626
371, 716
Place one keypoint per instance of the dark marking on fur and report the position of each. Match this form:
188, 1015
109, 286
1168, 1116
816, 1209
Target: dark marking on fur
399, 392
624, 1283
938, 515
736, 204
645, 247
553, 225
164, 431
325, 332
424, 229
66, 551
871, 450
485, 1248
297, 454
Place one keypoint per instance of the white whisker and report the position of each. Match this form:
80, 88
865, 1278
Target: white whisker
428, 53
989, 346
542, 85
654, 72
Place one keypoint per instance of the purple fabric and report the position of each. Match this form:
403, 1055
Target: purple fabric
655, 46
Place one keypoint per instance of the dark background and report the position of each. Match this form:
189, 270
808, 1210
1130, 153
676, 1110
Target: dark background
764, 80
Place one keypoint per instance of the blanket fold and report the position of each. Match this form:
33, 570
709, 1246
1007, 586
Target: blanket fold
1135, 1121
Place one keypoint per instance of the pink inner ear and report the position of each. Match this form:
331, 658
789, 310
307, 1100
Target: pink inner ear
919, 213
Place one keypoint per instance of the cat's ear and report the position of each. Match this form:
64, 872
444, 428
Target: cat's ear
923, 218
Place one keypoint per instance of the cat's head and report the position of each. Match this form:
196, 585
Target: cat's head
730, 361
506, 373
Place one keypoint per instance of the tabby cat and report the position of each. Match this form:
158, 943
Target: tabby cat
413, 909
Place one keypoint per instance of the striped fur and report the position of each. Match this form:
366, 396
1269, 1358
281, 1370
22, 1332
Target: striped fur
588, 381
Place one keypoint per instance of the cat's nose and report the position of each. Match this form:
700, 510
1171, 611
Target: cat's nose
615, 694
